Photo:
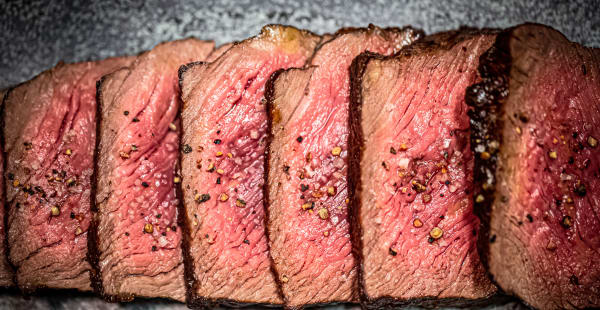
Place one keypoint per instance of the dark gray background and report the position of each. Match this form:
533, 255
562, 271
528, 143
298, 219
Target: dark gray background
35, 35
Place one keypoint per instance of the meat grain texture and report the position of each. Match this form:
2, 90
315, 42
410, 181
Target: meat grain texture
411, 174
308, 223
536, 121
49, 138
136, 244
223, 167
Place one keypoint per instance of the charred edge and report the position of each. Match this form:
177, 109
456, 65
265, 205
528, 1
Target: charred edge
418, 33
202, 303
4, 186
485, 100
442, 40
270, 97
355, 146
93, 253
183, 69
184, 224
435, 302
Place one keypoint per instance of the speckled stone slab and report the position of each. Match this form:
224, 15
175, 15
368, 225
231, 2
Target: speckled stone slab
35, 35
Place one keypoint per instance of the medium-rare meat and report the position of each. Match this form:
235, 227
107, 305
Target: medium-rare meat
6, 272
49, 137
135, 247
224, 127
308, 224
411, 174
535, 131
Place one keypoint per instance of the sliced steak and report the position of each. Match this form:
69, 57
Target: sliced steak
218, 51
136, 238
411, 174
6, 272
308, 223
49, 137
536, 126
223, 167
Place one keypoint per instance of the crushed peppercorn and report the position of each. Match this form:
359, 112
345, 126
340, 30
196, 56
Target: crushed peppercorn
592, 142
529, 218
135, 120
217, 141
299, 139
308, 205
144, 184
154, 249
187, 149
418, 187
567, 222
436, 233
303, 187
124, 155
211, 167
393, 150
200, 198
417, 223
331, 191
392, 251
323, 214
240, 203
125, 113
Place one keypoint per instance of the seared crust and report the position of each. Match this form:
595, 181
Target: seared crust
428, 44
7, 263
93, 245
192, 299
485, 99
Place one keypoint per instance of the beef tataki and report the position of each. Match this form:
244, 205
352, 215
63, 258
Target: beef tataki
535, 131
410, 174
223, 143
308, 224
135, 247
6, 272
49, 137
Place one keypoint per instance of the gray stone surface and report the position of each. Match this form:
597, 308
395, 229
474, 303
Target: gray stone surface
35, 35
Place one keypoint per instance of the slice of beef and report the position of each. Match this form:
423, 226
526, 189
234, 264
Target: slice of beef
224, 128
6, 271
136, 238
536, 126
49, 137
411, 176
308, 223
218, 52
